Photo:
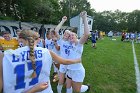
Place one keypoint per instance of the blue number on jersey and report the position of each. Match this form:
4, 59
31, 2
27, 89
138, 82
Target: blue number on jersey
47, 46
19, 70
20, 74
67, 51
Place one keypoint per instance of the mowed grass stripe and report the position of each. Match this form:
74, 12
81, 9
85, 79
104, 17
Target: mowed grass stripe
110, 67
137, 72
137, 50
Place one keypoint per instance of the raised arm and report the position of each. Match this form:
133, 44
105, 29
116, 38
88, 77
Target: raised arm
60, 24
1, 75
84, 38
61, 60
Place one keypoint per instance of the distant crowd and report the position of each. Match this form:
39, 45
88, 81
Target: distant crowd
132, 36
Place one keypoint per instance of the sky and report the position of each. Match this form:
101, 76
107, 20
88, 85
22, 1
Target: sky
122, 5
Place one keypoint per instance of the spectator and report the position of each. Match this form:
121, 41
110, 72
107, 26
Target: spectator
42, 32
8, 42
93, 39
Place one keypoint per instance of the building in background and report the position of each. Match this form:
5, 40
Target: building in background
78, 23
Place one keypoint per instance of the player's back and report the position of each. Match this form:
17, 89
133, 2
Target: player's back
17, 69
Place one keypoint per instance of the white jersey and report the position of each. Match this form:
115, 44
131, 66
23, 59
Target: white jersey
64, 53
132, 35
127, 35
54, 48
76, 52
17, 69
138, 36
49, 44
64, 48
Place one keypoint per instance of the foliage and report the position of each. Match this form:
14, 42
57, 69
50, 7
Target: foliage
51, 11
134, 21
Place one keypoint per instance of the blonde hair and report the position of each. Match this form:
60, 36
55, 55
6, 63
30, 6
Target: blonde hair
66, 31
75, 34
31, 36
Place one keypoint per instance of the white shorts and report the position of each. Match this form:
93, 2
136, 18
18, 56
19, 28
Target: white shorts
138, 38
63, 68
76, 75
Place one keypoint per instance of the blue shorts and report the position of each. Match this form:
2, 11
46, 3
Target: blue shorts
93, 41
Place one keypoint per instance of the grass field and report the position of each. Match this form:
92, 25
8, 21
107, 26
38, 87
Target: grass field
109, 67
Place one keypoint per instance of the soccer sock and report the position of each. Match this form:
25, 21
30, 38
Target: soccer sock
84, 88
59, 88
69, 90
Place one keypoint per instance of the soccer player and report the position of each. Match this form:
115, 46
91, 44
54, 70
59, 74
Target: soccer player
24, 67
76, 72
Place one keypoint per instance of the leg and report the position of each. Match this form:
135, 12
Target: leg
77, 79
76, 86
62, 71
68, 85
60, 82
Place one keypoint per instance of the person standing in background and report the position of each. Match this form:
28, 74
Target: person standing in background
42, 32
8, 42
93, 39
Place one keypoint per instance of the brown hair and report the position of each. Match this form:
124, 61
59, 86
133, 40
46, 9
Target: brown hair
48, 32
53, 32
5, 32
31, 36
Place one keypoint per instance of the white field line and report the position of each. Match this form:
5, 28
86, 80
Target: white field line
137, 72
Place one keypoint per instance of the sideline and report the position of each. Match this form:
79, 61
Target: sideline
137, 72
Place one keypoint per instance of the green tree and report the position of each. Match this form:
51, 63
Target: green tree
71, 8
134, 21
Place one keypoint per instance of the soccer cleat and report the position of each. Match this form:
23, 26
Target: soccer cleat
88, 87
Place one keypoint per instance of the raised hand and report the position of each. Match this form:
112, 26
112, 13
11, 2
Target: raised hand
83, 14
64, 18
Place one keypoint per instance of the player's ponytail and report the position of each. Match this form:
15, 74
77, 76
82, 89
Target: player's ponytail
31, 36
32, 56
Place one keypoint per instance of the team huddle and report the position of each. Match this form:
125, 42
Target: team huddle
26, 62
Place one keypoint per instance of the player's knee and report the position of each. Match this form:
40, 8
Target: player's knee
76, 90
